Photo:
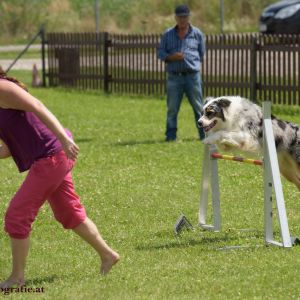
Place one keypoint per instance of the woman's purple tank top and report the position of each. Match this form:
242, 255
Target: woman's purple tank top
27, 138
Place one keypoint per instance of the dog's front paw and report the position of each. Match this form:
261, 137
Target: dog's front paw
228, 143
208, 141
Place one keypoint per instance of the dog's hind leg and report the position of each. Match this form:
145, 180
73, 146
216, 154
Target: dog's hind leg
292, 178
289, 168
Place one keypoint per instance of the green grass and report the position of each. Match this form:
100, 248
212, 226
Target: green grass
22, 75
28, 54
134, 186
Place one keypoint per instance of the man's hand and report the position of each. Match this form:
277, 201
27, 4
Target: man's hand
175, 57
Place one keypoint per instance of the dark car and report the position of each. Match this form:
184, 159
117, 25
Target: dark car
281, 17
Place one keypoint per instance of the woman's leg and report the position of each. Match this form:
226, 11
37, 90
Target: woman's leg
23, 208
88, 231
68, 210
20, 249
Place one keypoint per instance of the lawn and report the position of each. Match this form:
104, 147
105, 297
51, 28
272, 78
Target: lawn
35, 53
134, 186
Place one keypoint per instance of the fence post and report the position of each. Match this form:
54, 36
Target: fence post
107, 43
23, 51
43, 42
253, 69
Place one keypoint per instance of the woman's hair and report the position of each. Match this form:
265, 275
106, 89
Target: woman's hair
13, 79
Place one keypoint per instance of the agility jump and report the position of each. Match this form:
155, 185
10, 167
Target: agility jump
237, 158
272, 180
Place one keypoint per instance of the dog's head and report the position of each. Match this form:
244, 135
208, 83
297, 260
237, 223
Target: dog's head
213, 113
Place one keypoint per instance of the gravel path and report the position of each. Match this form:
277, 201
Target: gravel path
8, 48
22, 64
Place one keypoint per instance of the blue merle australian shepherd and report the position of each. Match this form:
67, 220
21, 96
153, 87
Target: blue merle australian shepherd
235, 123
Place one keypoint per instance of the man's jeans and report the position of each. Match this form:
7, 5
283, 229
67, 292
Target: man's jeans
178, 85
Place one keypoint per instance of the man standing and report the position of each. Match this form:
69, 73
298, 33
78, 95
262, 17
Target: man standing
182, 48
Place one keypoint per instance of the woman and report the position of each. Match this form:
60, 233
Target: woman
37, 142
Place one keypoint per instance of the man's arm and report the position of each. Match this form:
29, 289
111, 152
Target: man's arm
201, 47
162, 53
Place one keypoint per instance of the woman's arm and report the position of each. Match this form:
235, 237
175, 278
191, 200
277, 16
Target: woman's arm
4, 151
14, 97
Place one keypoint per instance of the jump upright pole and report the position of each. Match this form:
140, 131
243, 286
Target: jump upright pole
272, 180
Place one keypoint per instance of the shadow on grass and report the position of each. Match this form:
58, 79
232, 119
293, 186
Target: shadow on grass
40, 281
150, 142
169, 245
232, 234
205, 238
185, 243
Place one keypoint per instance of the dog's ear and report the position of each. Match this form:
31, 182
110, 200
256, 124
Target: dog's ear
224, 102
207, 99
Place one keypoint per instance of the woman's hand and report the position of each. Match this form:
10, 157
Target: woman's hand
4, 151
14, 97
70, 148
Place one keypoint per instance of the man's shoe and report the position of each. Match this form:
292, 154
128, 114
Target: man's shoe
168, 139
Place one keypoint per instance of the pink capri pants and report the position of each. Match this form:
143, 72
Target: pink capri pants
48, 178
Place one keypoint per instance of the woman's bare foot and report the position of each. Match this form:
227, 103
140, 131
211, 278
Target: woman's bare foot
108, 262
12, 282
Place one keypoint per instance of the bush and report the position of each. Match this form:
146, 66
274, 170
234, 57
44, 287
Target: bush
20, 19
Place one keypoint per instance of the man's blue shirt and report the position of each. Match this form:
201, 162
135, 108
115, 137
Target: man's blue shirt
192, 46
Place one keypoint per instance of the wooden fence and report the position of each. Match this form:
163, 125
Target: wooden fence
259, 67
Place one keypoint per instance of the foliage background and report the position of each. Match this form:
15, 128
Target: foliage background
20, 19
